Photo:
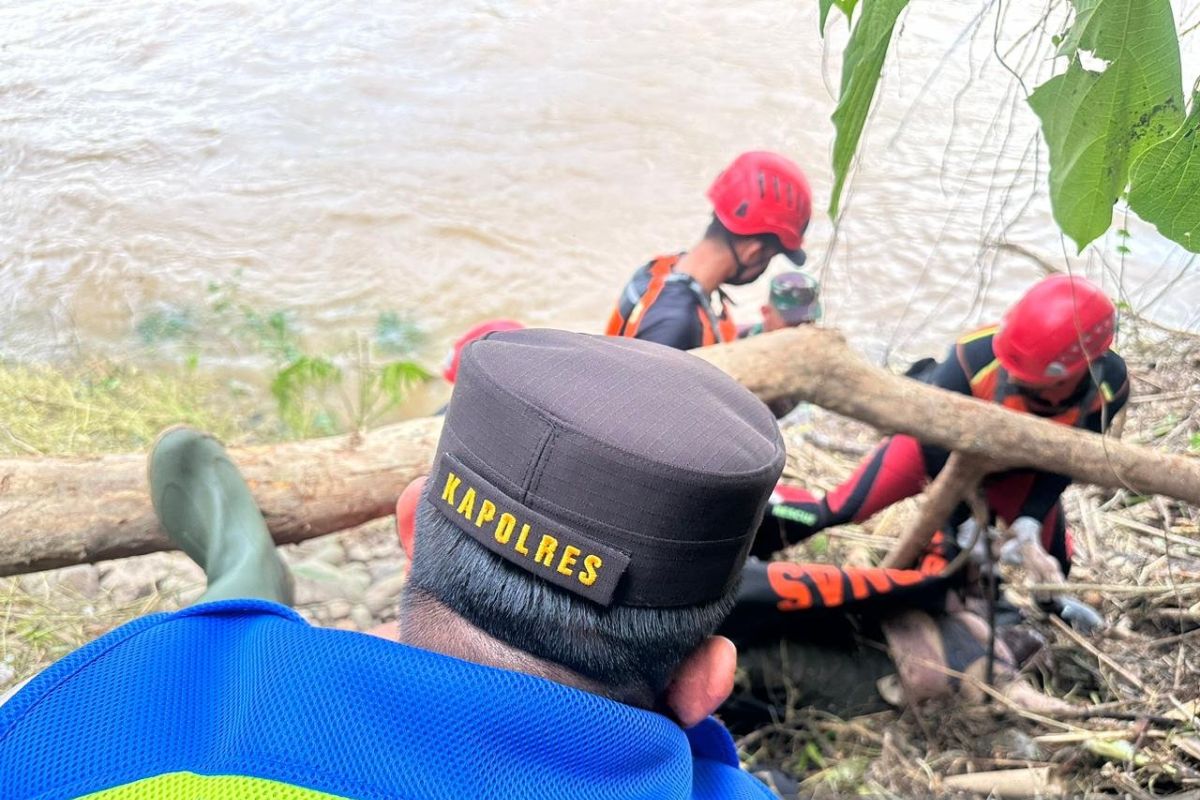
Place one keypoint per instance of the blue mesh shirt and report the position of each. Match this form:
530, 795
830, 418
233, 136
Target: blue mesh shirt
243, 699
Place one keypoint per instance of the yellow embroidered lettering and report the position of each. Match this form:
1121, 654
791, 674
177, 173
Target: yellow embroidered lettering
591, 566
521, 537
467, 506
569, 554
545, 551
504, 528
452, 482
487, 511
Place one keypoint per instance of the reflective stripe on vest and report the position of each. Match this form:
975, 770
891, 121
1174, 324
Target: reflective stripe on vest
645, 288
990, 383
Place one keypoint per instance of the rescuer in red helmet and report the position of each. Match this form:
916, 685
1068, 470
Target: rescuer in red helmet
761, 208
477, 331
1049, 357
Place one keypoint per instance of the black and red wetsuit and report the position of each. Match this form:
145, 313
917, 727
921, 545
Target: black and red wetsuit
900, 466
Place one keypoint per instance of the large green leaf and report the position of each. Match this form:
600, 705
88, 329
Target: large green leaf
846, 6
861, 65
1096, 123
1165, 183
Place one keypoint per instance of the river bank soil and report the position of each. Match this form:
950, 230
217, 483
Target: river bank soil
1136, 686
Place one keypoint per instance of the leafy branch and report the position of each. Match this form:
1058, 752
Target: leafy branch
1115, 121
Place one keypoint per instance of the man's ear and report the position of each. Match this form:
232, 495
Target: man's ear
406, 514
753, 251
703, 681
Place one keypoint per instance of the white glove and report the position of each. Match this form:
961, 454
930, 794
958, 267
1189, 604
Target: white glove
1080, 615
1025, 533
966, 537
1025, 549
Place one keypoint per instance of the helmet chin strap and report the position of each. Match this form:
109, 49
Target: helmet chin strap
739, 277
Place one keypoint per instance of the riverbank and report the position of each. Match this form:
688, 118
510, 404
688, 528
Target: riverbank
1136, 686
1141, 559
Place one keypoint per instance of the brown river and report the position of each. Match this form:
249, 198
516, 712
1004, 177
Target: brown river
482, 158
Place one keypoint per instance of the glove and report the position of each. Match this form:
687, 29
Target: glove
786, 493
968, 536
1078, 615
797, 507
1025, 549
1026, 533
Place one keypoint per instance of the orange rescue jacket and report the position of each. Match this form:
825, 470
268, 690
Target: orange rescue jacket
644, 289
990, 382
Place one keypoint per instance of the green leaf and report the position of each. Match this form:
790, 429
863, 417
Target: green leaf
846, 7
1165, 183
861, 65
1096, 124
293, 381
398, 377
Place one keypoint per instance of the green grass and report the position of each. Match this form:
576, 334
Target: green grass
102, 407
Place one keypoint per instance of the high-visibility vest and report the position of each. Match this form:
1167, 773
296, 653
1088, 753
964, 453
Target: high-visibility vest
645, 288
991, 383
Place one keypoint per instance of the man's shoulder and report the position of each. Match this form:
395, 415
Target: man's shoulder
715, 768
211, 689
673, 318
976, 350
1113, 370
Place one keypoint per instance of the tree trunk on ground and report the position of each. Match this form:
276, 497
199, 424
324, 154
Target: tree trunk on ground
61, 511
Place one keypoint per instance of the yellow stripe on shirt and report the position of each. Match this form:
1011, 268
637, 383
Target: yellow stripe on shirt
190, 786
979, 334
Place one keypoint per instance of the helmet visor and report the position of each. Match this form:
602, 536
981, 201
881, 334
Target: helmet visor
797, 256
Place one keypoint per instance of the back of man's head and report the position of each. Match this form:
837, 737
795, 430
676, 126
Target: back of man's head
592, 502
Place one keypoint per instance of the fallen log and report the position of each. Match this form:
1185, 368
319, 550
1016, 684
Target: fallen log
982, 437
816, 365
62, 511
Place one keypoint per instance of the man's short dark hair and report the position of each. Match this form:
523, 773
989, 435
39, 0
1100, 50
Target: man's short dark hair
717, 231
631, 650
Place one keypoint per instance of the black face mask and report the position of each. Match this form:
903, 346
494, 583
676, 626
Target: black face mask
745, 273
1049, 400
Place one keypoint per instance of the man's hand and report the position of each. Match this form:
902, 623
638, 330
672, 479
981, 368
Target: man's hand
969, 537
1025, 549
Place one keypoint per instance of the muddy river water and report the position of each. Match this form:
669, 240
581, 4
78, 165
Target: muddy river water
482, 158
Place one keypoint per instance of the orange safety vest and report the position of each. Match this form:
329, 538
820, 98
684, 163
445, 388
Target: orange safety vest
644, 289
990, 383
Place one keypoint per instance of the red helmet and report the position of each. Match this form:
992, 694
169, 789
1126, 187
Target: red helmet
450, 367
1053, 332
764, 193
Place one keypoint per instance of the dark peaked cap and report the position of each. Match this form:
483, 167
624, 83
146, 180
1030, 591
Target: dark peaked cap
626, 472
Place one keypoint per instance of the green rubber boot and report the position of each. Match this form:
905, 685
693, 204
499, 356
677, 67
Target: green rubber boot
206, 509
